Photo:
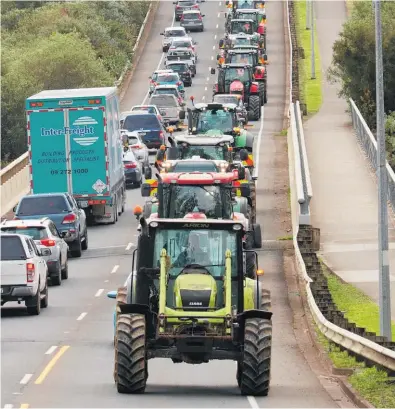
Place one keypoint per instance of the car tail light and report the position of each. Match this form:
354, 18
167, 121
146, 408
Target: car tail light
70, 218
182, 18
178, 7
30, 272
161, 135
130, 165
195, 6
48, 243
137, 146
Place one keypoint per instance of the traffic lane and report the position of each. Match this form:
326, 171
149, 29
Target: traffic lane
272, 158
150, 58
293, 384
25, 339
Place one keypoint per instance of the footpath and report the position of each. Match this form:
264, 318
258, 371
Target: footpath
345, 202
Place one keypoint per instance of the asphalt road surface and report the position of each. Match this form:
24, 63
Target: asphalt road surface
64, 357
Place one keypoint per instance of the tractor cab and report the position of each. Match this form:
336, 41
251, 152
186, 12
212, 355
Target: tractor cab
257, 15
246, 55
245, 26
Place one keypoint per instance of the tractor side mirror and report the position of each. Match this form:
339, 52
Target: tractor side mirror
172, 153
245, 190
181, 114
160, 155
242, 171
212, 71
145, 192
265, 57
243, 155
112, 294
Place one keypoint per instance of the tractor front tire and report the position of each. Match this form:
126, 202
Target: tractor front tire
131, 369
254, 108
254, 368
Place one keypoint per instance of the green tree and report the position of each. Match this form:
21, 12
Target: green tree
58, 62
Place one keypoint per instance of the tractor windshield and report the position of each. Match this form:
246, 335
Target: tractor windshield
213, 201
218, 119
205, 152
243, 58
242, 41
241, 74
204, 247
240, 26
250, 16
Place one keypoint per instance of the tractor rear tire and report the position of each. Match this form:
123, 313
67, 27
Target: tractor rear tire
266, 300
254, 108
130, 354
254, 368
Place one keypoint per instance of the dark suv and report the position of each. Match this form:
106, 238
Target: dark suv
183, 70
183, 5
148, 127
62, 209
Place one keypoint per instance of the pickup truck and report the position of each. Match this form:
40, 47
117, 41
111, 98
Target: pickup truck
23, 272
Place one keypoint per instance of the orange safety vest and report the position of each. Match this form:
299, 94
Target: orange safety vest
237, 184
154, 186
249, 163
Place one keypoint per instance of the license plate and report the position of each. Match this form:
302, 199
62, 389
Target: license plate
84, 203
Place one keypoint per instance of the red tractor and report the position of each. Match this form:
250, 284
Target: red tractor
238, 79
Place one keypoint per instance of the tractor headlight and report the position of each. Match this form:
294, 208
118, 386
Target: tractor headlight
236, 227
154, 224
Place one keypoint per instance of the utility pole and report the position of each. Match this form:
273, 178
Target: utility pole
312, 40
308, 14
384, 273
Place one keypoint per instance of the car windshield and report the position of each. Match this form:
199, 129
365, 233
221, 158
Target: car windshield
12, 248
179, 43
36, 233
179, 56
205, 152
186, 3
242, 58
175, 33
191, 16
167, 101
167, 78
204, 247
31, 206
144, 122
242, 27
166, 91
219, 119
179, 67
241, 74
227, 99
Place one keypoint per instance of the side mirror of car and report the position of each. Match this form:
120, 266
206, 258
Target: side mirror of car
112, 294
162, 34
203, 15
64, 234
242, 171
181, 114
14, 208
195, 43
46, 252
212, 71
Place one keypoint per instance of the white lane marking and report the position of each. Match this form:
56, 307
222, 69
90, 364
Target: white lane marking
106, 281
208, 79
8, 406
212, 58
219, 15
220, 3
214, 45
215, 37
114, 269
253, 403
51, 349
99, 292
216, 26
203, 97
160, 62
205, 88
129, 246
82, 316
26, 379
258, 147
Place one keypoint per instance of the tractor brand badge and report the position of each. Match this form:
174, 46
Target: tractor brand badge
99, 186
82, 138
195, 303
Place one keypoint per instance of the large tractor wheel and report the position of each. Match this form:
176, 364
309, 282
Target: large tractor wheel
262, 93
266, 300
131, 369
253, 372
254, 108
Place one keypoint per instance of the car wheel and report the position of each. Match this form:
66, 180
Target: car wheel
33, 304
84, 244
76, 248
44, 300
65, 271
56, 279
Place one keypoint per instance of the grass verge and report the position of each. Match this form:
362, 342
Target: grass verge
371, 384
310, 89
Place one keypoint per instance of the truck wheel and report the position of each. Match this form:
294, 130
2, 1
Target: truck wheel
254, 108
56, 279
84, 244
76, 246
255, 363
33, 305
44, 300
130, 354
114, 212
65, 271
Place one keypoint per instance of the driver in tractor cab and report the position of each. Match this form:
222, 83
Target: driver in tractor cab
193, 254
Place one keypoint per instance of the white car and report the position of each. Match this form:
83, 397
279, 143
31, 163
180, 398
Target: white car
45, 235
184, 42
139, 148
169, 34
23, 272
169, 90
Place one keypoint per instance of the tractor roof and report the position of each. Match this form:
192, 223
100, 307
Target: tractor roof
251, 11
242, 51
249, 20
244, 46
198, 178
212, 106
236, 65
202, 139
195, 223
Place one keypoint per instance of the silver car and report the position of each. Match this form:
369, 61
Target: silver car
192, 20
45, 235
172, 111
169, 34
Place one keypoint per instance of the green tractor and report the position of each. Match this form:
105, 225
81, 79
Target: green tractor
189, 300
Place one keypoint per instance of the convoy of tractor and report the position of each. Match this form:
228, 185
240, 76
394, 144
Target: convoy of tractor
196, 292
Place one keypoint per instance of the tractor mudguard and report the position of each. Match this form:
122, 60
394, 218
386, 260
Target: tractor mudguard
241, 140
241, 318
134, 309
249, 142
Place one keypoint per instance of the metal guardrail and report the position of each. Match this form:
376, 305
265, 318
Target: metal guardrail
369, 144
15, 176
